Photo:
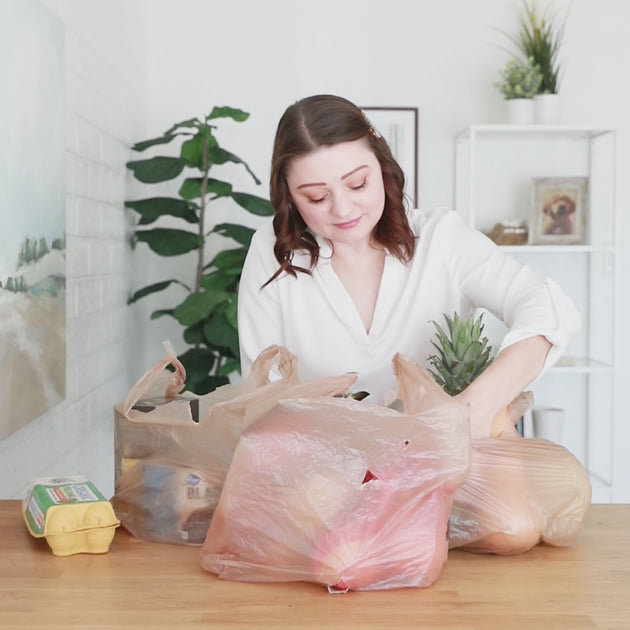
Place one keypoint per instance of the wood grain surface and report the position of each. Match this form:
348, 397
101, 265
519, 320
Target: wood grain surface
144, 586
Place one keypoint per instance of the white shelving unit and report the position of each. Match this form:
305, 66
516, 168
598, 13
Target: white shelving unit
494, 166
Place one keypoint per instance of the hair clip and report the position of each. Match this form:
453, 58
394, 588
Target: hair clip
371, 130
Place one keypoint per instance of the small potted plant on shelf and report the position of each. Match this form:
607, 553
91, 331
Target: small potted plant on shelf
539, 38
520, 82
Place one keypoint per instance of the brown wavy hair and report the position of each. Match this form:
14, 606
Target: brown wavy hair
307, 125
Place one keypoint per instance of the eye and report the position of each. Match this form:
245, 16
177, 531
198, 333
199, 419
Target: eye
359, 185
317, 199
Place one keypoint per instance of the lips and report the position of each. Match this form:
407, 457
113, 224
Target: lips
347, 225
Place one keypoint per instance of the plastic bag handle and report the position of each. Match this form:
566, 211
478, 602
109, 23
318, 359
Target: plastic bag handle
174, 384
273, 356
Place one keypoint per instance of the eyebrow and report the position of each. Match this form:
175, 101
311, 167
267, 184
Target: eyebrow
352, 172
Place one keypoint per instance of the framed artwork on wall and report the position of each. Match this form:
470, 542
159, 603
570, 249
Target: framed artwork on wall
32, 213
559, 210
399, 127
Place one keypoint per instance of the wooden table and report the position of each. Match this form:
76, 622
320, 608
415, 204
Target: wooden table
148, 586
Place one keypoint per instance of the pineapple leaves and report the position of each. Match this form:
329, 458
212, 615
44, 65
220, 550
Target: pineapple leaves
462, 353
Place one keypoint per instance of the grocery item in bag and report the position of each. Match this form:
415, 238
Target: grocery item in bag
174, 448
519, 492
347, 494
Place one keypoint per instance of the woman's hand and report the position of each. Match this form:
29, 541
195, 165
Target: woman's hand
512, 370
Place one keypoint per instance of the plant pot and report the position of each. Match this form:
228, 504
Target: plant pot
546, 109
548, 424
520, 111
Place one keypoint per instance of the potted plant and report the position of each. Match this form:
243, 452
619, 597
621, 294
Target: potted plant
519, 84
539, 38
207, 310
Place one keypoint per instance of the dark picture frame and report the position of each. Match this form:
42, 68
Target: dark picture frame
399, 127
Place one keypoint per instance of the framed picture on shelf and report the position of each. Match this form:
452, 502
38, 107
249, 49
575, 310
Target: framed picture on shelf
399, 127
558, 211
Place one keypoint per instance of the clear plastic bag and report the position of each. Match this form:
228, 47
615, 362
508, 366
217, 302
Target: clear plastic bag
347, 494
519, 492
172, 450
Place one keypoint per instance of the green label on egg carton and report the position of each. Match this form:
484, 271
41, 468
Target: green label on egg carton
51, 491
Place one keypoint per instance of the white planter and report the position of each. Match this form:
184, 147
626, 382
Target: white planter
520, 111
546, 109
548, 424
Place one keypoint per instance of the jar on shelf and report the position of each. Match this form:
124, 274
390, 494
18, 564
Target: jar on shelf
509, 233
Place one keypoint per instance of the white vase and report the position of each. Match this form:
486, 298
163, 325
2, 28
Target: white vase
546, 109
548, 424
520, 111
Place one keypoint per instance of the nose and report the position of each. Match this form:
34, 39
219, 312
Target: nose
341, 206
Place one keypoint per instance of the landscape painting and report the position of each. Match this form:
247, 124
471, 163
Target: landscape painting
32, 214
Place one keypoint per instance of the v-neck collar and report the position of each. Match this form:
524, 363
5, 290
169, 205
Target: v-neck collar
343, 304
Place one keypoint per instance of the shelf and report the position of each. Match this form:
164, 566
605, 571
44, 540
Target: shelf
559, 249
573, 365
494, 169
586, 130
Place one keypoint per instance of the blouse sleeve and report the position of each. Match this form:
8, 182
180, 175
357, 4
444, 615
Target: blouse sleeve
259, 313
528, 304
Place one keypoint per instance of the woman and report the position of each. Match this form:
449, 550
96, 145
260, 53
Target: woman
345, 277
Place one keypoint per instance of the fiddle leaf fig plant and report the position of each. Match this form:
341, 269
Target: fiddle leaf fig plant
207, 310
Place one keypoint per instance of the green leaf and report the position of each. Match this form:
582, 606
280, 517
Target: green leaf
192, 150
219, 281
219, 332
156, 169
191, 188
218, 155
232, 312
170, 242
145, 144
193, 335
198, 306
230, 365
191, 122
240, 233
255, 205
228, 112
230, 260
153, 288
161, 313
207, 385
198, 363
155, 207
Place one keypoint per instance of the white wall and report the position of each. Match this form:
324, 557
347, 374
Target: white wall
106, 106
442, 56
135, 67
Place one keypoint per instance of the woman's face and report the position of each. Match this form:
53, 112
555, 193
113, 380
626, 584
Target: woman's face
339, 191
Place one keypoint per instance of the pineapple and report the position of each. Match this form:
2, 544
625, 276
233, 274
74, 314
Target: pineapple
463, 354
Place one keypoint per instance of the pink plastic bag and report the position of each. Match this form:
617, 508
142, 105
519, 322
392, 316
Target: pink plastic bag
348, 494
173, 450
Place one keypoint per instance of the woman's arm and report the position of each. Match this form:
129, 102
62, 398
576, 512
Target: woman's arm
512, 370
540, 317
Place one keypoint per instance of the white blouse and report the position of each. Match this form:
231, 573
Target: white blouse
454, 268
